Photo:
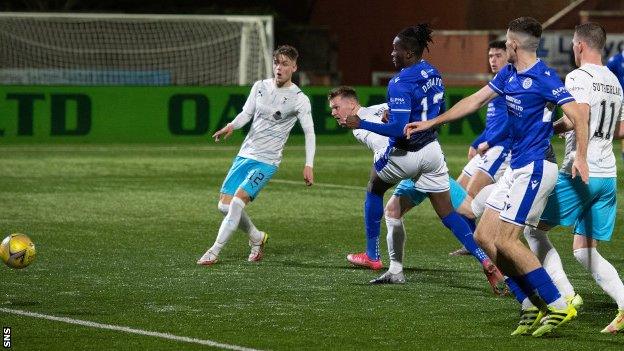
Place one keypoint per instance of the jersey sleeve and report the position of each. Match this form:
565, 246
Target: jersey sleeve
307, 124
399, 98
250, 105
578, 87
553, 89
500, 79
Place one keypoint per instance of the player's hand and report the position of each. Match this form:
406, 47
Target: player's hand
384, 118
579, 167
414, 127
308, 175
472, 152
483, 147
225, 132
352, 122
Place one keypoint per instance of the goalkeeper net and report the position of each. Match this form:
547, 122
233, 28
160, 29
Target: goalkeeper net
121, 49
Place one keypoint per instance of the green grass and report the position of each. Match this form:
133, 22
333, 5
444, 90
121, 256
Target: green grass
118, 230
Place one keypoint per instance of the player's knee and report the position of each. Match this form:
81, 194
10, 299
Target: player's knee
223, 208
393, 208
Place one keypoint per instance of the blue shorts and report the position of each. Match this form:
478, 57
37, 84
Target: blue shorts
406, 189
249, 175
591, 208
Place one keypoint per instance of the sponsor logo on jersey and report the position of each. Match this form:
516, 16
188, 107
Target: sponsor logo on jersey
527, 82
559, 91
397, 100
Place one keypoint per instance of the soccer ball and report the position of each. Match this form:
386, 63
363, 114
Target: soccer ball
17, 251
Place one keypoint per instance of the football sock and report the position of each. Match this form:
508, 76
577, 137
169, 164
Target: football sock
373, 211
549, 257
521, 290
228, 225
396, 243
245, 223
603, 272
460, 228
540, 281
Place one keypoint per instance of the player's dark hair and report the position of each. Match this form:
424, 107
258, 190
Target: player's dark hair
344, 92
497, 44
593, 34
288, 51
416, 38
526, 25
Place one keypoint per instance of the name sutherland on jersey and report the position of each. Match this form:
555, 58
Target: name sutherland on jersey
606, 88
431, 82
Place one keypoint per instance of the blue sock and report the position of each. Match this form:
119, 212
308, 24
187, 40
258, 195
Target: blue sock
515, 289
461, 229
373, 211
543, 284
471, 223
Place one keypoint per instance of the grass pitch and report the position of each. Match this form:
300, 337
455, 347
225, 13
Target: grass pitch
118, 230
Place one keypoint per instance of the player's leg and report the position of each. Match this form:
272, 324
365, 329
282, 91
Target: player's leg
488, 170
400, 203
245, 223
595, 225
373, 212
564, 206
527, 197
468, 170
249, 177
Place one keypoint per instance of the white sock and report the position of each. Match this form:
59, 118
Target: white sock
549, 257
228, 225
396, 242
245, 223
603, 272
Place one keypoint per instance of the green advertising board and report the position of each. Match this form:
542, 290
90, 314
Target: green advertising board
50, 114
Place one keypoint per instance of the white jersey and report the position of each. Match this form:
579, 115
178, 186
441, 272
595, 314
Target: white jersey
275, 111
599, 88
372, 140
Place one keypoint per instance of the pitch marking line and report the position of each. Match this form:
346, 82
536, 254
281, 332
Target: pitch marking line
322, 185
128, 330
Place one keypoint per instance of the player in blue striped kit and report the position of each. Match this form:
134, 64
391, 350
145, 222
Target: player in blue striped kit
416, 93
531, 90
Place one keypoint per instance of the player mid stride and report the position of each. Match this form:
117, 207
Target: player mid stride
274, 105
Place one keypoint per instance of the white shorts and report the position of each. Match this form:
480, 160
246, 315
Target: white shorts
426, 167
521, 194
493, 163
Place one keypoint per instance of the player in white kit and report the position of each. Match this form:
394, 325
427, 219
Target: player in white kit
590, 208
274, 105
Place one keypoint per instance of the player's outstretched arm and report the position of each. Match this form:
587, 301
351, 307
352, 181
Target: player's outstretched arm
463, 108
579, 115
307, 124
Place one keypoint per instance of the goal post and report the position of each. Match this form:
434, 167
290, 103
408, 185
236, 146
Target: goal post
130, 49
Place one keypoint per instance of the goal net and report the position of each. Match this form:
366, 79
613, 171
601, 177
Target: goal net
121, 49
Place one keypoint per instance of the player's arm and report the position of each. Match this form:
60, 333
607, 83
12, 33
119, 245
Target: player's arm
563, 125
461, 109
242, 118
399, 104
472, 150
579, 116
496, 138
618, 133
307, 124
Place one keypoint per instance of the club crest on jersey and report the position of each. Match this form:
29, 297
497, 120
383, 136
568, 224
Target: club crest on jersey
277, 115
424, 74
527, 82
285, 99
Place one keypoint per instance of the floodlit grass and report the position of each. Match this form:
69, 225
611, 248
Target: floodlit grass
118, 230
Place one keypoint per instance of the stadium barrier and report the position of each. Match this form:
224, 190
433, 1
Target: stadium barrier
65, 114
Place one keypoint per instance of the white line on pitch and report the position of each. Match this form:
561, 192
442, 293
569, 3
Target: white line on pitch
128, 330
322, 185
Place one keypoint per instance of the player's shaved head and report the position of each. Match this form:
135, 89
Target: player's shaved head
592, 34
343, 92
527, 31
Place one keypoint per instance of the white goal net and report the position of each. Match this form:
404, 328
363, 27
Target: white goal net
122, 49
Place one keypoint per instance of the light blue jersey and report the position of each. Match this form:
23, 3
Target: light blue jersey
531, 96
